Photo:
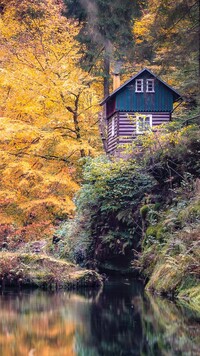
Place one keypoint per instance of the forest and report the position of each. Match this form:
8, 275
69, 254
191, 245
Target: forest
63, 201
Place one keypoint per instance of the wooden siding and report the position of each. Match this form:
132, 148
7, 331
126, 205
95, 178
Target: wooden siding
127, 124
112, 141
159, 101
110, 107
125, 127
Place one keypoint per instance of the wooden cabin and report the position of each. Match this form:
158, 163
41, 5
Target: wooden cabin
139, 104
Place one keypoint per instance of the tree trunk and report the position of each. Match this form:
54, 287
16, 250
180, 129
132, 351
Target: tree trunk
106, 68
76, 125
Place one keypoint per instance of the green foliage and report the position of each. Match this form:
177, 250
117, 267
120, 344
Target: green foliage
173, 265
75, 243
167, 37
125, 205
108, 222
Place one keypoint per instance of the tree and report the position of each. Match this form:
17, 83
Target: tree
167, 38
40, 76
106, 32
50, 111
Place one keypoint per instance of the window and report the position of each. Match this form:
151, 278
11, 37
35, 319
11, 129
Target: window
113, 126
150, 86
143, 123
139, 86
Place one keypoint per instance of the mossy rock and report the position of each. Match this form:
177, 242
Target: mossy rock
83, 278
44, 272
149, 209
190, 214
154, 232
144, 211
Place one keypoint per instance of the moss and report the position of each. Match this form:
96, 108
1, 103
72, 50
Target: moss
190, 214
82, 278
44, 271
151, 231
144, 211
154, 232
28, 258
171, 254
150, 211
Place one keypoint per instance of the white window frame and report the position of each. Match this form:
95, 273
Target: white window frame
113, 126
144, 118
140, 82
147, 86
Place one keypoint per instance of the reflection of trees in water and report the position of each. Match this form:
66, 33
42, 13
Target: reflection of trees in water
169, 328
45, 335
37, 322
43, 323
123, 322
117, 321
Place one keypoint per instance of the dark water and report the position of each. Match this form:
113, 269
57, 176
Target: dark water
117, 320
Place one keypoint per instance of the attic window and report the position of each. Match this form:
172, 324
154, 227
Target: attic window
139, 86
150, 86
143, 123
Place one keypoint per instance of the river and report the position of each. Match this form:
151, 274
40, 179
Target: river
118, 320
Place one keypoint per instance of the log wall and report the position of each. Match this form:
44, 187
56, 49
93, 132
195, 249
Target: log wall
125, 127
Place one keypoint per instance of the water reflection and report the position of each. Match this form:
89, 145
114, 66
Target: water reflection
118, 320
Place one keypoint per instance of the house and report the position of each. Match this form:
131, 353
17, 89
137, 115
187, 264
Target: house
142, 102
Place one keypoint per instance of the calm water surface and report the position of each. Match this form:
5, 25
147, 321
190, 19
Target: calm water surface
118, 320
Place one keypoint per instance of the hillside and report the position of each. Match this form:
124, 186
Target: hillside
142, 215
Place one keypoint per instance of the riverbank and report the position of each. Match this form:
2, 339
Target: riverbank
170, 258
143, 213
42, 271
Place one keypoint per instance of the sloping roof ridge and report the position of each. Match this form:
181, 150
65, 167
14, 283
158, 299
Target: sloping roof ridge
132, 78
162, 81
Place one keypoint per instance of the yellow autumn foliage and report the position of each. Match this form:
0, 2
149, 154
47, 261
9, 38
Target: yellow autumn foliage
141, 28
32, 181
49, 109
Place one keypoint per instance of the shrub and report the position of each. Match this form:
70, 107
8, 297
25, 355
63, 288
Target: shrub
108, 221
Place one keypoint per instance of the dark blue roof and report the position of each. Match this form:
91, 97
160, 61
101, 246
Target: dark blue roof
134, 77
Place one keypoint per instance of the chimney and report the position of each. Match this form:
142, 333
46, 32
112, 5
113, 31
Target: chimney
116, 81
116, 74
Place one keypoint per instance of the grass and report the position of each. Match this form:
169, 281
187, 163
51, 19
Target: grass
173, 266
190, 297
